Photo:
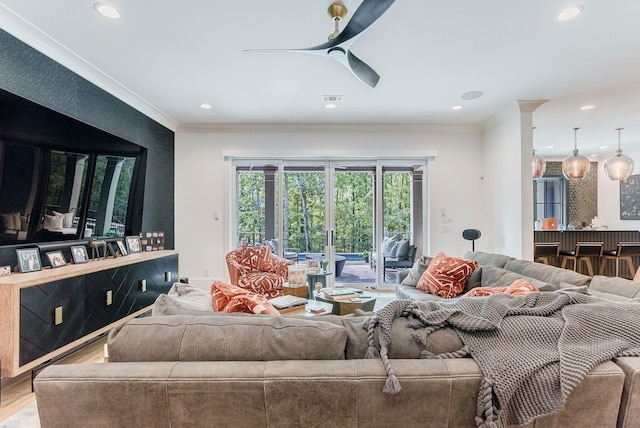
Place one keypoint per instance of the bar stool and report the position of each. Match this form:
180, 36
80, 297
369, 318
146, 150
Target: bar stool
543, 250
624, 251
583, 253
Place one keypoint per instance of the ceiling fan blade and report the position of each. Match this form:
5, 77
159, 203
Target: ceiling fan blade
362, 71
367, 13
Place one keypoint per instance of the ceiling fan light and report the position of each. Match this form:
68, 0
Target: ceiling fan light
538, 166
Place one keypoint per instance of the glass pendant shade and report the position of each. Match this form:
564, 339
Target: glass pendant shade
538, 165
576, 166
619, 167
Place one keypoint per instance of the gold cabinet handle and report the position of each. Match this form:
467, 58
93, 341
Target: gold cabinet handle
57, 318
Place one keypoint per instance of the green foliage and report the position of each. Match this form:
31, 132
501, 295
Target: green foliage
304, 205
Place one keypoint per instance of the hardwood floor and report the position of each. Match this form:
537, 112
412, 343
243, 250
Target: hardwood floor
16, 392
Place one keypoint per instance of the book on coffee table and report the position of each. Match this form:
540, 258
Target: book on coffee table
339, 293
287, 301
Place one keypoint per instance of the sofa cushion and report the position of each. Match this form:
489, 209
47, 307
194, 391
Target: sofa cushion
53, 222
387, 245
550, 274
402, 249
496, 277
474, 280
446, 275
412, 293
226, 338
403, 343
416, 271
614, 286
183, 299
488, 259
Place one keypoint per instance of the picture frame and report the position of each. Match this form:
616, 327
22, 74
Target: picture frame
313, 265
56, 259
5, 270
79, 254
112, 250
122, 248
29, 260
133, 244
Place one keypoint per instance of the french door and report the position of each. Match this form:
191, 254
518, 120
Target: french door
331, 210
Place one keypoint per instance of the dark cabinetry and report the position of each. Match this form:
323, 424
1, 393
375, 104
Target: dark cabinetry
56, 314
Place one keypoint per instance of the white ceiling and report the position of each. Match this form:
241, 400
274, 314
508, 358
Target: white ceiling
166, 58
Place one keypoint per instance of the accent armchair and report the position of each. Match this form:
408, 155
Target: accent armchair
257, 269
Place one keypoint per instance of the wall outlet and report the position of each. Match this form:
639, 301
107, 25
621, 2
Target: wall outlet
143, 285
206, 272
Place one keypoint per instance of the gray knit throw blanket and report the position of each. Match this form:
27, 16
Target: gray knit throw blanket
533, 350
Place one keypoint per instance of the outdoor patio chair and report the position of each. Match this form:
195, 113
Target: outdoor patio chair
400, 262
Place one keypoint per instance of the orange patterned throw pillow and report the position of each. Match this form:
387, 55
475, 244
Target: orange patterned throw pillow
519, 287
231, 298
446, 275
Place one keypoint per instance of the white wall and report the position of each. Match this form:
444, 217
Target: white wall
609, 197
502, 206
202, 181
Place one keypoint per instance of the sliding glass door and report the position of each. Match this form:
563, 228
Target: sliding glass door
332, 211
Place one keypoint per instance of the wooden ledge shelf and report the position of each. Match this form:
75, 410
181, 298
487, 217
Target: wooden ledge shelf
47, 313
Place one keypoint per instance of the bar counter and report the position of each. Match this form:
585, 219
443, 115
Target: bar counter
568, 239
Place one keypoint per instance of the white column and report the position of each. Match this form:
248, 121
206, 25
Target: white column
527, 107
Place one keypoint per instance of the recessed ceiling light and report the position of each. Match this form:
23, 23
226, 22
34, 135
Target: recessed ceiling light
458, 107
588, 107
106, 10
330, 106
205, 106
570, 12
549, 147
604, 147
472, 95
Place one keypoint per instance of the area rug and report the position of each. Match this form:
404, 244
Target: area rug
27, 417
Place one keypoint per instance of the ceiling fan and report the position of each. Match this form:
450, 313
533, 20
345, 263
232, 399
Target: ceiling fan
338, 46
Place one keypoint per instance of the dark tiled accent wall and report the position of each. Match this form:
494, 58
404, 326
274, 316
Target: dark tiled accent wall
582, 194
30, 74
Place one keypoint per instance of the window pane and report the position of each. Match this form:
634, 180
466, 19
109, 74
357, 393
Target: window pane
110, 195
65, 189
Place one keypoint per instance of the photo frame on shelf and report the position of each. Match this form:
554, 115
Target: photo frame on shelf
56, 259
5, 270
112, 251
79, 254
29, 260
133, 244
153, 241
121, 247
313, 265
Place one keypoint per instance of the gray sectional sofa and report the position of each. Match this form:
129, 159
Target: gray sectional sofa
236, 370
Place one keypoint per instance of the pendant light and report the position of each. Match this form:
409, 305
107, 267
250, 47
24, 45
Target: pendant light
538, 163
575, 167
619, 167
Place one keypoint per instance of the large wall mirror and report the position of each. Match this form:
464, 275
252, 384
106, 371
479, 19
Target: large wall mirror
61, 179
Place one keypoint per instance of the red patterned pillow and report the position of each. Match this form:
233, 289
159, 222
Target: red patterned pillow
231, 298
519, 287
446, 275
